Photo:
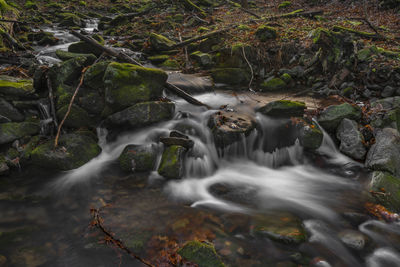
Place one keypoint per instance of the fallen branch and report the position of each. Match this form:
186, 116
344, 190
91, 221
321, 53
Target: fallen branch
52, 106
297, 13
202, 37
251, 69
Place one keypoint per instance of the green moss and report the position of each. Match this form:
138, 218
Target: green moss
64, 55
171, 165
286, 78
15, 86
390, 188
311, 136
265, 33
284, 4
94, 76
30, 5
243, 27
14, 130
202, 29
359, 33
160, 43
273, 84
78, 117
158, 59
232, 76
203, 254
170, 64
82, 3
137, 158
330, 118
284, 108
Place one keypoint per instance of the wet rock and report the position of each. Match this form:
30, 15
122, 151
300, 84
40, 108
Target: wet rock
387, 190
283, 228
12, 131
231, 76
70, 19
158, 59
16, 87
127, 84
353, 239
67, 72
273, 84
203, 59
331, 117
384, 154
9, 112
311, 136
94, 75
191, 83
138, 158
72, 152
85, 48
201, 253
230, 127
283, 108
64, 55
43, 38
78, 117
265, 33
351, 140
160, 43
172, 162
177, 141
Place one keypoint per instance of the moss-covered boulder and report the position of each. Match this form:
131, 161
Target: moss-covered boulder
64, 55
9, 113
172, 162
273, 84
68, 72
142, 114
283, 108
127, 84
43, 38
202, 59
12, 131
330, 117
160, 43
16, 87
138, 158
231, 76
389, 187
73, 151
265, 33
311, 136
70, 19
78, 117
201, 253
94, 76
92, 101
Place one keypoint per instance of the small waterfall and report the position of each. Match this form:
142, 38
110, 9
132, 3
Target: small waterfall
91, 25
46, 119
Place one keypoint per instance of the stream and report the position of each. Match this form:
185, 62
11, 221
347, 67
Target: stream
225, 195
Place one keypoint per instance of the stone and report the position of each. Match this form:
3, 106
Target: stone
84, 48
140, 158
177, 141
142, 114
11, 86
191, 83
78, 117
203, 59
353, 239
351, 139
69, 20
201, 253
92, 102
127, 84
311, 136
231, 76
64, 55
12, 131
265, 33
273, 84
388, 119
388, 91
4, 169
94, 75
68, 72
158, 59
388, 188
172, 162
331, 117
9, 112
73, 151
384, 154
283, 108
160, 43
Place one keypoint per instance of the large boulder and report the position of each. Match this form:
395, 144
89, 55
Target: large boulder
384, 154
16, 87
68, 72
83, 47
73, 151
127, 84
331, 117
94, 75
78, 117
142, 114
201, 253
160, 43
351, 139
172, 162
12, 131
385, 190
138, 158
9, 112
283, 108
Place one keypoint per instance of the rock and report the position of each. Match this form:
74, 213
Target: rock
142, 114
273, 84
70, 19
92, 102
231, 76
177, 141
127, 84
64, 55
4, 169
201, 253
160, 43
386, 103
230, 127
311, 136
172, 162
388, 188
78, 117
84, 48
384, 154
11, 86
203, 59
72, 152
353, 239
94, 76
283, 228
265, 33
158, 59
388, 91
351, 140
138, 158
68, 72
9, 112
190, 83
170, 64
283, 108
386, 119
331, 117
12, 131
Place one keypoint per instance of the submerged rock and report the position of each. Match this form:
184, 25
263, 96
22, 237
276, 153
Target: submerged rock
331, 117
160, 43
138, 158
353, 239
203, 254
384, 154
351, 139
12, 131
9, 112
386, 190
16, 87
283, 108
172, 162
73, 151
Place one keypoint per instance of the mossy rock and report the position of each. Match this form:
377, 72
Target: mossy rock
70, 20
68, 72
284, 4
265, 33
286, 78
9, 113
202, 59
73, 151
64, 55
11, 86
170, 64
158, 59
389, 185
127, 84
283, 108
172, 162
231, 76
203, 254
160, 43
94, 76
92, 102
84, 48
274, 84
311, 136
12, 131
330, 118
138, 158
78, 117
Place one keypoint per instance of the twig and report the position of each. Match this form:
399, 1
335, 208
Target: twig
251, 69
98, 222
52, 106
